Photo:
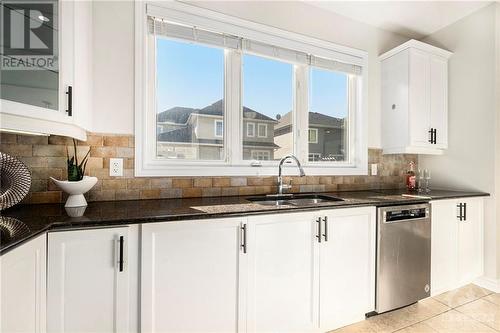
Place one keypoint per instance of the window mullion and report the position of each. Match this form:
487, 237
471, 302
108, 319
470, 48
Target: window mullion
301, 112
233, 130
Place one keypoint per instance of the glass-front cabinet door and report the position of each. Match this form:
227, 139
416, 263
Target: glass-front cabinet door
30, 57
37, 62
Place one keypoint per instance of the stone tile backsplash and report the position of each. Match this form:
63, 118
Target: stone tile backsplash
46, 157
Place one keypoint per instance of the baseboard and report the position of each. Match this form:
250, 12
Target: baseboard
488, 283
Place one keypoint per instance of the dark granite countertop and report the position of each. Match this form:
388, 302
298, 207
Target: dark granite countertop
23, 222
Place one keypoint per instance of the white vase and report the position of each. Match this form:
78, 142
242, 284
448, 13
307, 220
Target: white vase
76, 190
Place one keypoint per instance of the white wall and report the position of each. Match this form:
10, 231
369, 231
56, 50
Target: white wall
113, 51
113, 67
469, 162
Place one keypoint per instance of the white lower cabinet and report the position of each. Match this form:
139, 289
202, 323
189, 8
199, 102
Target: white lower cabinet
22, 288
90, 277
265, 273
282, 273
457, 243
190, 276
347, 266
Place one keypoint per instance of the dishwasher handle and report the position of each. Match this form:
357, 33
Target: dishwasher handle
405, 214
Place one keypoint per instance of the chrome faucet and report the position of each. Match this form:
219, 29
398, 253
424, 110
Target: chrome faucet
282, 187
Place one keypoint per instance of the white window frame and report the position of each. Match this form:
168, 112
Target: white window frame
146, 163
215, 128
309, 135
253, 130
259, 125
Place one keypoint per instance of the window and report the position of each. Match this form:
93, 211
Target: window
313, 135
189, 101
219, 129
314, 157
261, 155
220, 95
328, 116
250, 130
262, 130
267, 95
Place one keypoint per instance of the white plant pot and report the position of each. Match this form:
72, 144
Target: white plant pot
76, 190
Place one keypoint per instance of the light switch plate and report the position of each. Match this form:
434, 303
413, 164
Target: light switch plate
116, 167
374, 168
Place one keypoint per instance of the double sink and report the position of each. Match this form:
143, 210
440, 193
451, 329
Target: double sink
300, 200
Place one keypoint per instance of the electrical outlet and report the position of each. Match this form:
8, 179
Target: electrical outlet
374, 169
116, 167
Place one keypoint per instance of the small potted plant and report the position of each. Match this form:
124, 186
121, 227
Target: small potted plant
77, 183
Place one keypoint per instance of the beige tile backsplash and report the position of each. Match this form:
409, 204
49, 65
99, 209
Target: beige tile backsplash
46, 157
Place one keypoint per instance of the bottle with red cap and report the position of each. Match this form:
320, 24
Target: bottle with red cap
411, 178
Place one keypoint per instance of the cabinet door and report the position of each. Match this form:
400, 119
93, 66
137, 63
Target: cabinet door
347, 266
282, 280
190, 276
419, 99
470, 241
88, 289
22, 291
443, 246
439, 100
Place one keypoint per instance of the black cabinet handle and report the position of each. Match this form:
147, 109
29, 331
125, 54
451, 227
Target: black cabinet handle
244, 238
325, 219
461, 209
435, 135
120, 261
69, 110
318, 236
465, 211
431, 132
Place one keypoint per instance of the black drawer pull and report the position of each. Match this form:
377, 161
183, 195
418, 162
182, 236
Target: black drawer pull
121, 261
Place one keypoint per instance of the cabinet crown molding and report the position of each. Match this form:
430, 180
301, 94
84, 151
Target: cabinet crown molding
415, 44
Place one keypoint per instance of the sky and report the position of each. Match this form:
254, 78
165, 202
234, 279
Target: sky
190, 75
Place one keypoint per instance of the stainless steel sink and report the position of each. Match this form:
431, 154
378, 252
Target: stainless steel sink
271, 202
293, 199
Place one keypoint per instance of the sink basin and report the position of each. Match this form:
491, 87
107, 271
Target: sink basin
293, 199
271, 202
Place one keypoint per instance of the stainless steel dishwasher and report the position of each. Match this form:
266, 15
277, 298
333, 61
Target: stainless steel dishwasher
403, 256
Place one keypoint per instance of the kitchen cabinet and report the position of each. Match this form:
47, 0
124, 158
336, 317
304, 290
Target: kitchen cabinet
290, 272
22, 291
92, 279
283, 263
347, 266
457, 243
190, 276
55, 97
415, 99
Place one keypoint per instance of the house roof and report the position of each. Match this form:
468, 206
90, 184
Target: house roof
315, 118
180, 115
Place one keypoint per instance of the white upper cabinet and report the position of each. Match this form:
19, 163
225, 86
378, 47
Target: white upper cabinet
45, 78
415, 99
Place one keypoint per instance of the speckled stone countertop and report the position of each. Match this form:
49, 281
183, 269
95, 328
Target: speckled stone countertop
23, 222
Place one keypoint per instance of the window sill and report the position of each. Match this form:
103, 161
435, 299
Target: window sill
142, 170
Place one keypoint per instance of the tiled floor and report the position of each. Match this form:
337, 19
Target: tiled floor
468, 309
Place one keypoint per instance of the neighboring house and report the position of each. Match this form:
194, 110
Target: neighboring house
189, 133
326, 137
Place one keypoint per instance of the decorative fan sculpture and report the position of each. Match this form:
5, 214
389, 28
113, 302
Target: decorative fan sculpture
12, 228
15, 181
